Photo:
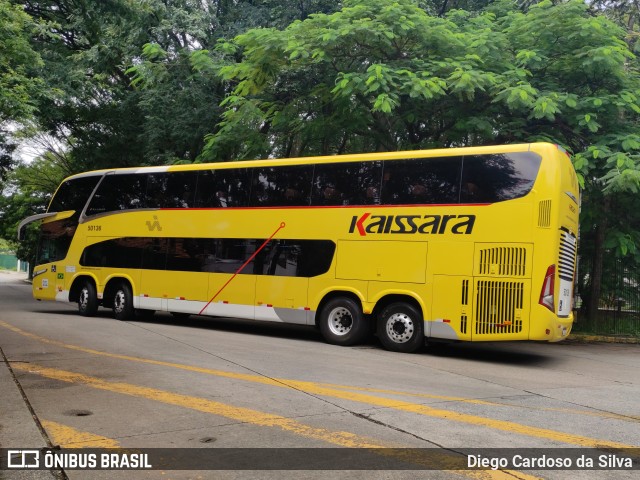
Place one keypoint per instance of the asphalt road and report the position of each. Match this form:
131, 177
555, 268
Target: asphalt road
206, 383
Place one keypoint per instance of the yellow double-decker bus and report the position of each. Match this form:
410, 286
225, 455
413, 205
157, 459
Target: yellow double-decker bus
460, 244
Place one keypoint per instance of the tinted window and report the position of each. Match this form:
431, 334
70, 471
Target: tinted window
187, 254
55, 239
73, 194
154, 255
230, 254
223, 188
118, 253
281, 186
293, 258
494, 178
285, 258
119, 192
171, 190
421, 181
282, 258
352, 183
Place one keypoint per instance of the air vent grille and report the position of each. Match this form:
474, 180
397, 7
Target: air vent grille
503, 261
498, 307
544, 214
567, 264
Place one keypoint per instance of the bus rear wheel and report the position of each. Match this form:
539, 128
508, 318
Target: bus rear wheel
123, 302
87, 299
342, 322
401, 328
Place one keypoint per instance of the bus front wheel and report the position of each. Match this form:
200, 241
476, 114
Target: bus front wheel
401, 328
123, 302
342, 322
87, 299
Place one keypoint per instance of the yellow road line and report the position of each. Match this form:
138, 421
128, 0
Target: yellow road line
613, 416
68, 437
506, 426
241, 414
285, 383
333, 392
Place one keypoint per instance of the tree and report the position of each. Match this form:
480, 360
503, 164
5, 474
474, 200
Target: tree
19, 63
384, 76
88, 49
20, 85
29, 188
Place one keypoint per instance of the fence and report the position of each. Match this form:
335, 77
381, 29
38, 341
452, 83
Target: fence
619, 305
9, 261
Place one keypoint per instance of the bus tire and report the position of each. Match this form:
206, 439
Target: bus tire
123, 302
401, 328
87, 299
342, 322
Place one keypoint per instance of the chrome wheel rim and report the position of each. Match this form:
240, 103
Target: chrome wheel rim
340, 321
84, 298
400, 327
119, 302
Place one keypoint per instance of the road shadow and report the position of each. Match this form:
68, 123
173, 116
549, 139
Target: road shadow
248, 327
502, 353
511, 353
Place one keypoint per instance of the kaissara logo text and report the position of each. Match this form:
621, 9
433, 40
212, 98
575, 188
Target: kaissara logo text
427, 224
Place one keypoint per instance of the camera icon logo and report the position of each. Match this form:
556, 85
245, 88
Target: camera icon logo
23, 459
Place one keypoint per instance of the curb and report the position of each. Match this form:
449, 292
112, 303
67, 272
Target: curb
588, 338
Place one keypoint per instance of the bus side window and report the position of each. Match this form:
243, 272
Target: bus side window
314, 257
288, 185
123, 252
171, 189
498, 177
186, 254
156, 190
119, 192
325, 189
154, 255
369, 183
421, 181
181, 189
350, 183
223, 188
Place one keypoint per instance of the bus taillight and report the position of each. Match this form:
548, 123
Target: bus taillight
546, 294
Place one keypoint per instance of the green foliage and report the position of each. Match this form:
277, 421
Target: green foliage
19, 63
31, 187
390, 76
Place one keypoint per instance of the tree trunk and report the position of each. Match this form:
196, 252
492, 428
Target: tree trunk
596, 266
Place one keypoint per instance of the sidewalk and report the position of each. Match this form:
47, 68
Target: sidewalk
18, 427
591, 338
